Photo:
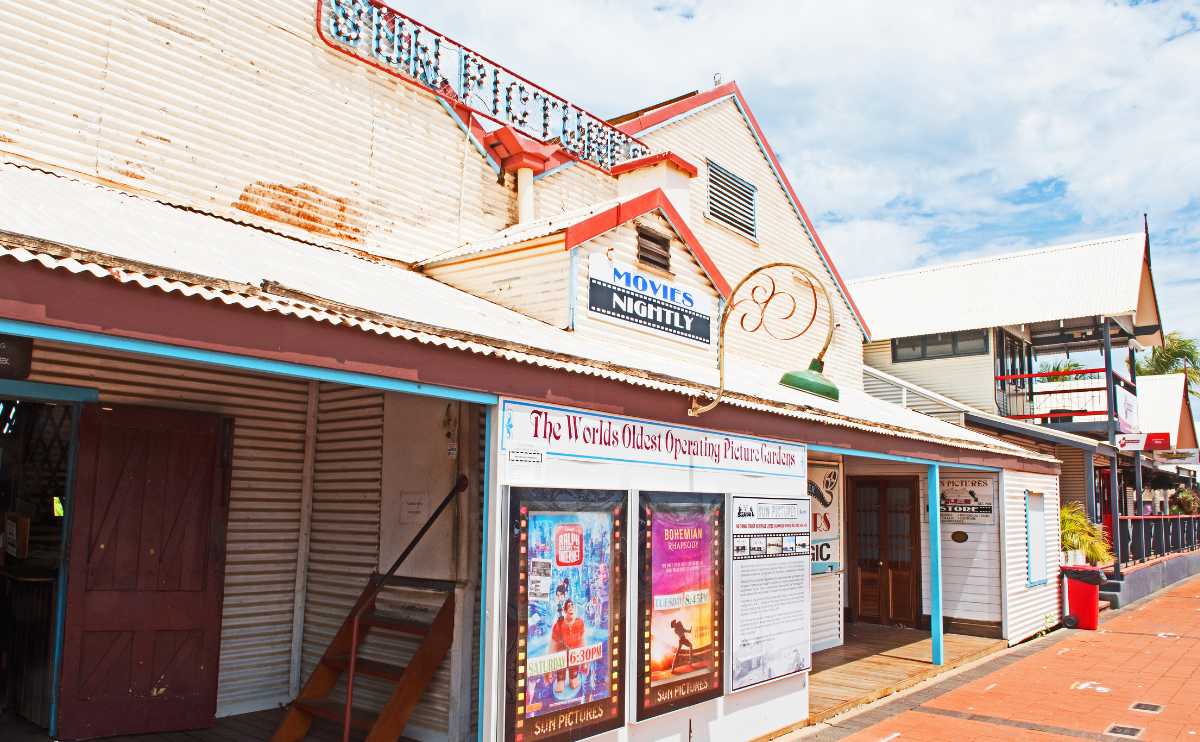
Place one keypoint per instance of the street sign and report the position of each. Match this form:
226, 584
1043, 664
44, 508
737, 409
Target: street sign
1144, 441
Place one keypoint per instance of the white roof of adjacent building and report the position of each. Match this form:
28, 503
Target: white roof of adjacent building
116, 236
1164, 407
1101, 277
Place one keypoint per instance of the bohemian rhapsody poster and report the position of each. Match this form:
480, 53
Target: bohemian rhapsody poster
679, 600
566, 614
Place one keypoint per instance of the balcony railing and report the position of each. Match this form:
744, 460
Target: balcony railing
1146, 537
1060, 397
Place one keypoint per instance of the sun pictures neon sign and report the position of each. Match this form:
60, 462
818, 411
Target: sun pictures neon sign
382, 37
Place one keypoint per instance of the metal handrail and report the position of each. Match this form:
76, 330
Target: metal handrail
377, 583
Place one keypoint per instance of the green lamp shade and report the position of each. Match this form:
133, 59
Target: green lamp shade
811, 381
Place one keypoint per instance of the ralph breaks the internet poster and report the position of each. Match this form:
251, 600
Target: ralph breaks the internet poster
566, 614
680, 593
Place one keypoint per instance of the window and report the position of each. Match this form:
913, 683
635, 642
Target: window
732, 200
1035, 538
940, 345
654, 249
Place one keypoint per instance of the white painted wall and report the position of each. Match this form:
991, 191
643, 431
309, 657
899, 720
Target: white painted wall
1029, 609
967, 379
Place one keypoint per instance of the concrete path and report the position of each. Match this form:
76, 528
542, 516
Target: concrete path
1138, 677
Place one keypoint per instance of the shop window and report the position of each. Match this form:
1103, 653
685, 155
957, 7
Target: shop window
733, 201
1035, 538
654, 249
940, 345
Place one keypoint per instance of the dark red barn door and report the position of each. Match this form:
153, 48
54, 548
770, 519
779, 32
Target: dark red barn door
145, 572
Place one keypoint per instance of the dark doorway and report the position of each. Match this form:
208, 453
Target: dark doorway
145, 572
885, 550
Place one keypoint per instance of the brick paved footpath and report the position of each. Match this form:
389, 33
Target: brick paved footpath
1074, 685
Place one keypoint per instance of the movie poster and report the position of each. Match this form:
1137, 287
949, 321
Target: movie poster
566, 614
680, 600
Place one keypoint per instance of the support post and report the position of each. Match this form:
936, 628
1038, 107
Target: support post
1141, 510
935, 563
1114, 504
1089, 484
300, 589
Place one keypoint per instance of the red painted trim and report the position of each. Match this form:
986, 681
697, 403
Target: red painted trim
515, 150
1010, 377
623, 212
668, 157
659, 115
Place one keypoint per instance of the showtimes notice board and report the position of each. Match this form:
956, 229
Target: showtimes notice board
769, 592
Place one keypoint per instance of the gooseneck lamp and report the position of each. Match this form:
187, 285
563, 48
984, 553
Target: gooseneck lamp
754, 317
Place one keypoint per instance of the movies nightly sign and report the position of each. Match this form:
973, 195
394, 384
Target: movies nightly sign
622, 292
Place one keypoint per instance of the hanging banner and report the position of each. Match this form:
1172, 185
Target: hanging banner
968, 500
825, 497
532, 435
679, 600
770, 589
566, 614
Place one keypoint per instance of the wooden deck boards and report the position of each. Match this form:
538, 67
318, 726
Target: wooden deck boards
877, 661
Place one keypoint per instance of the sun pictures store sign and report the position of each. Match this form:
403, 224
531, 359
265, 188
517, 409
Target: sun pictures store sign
371, 32
621, 292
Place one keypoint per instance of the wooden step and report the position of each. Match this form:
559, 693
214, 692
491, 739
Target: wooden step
395, 622
370, 668
335, 712
420, 583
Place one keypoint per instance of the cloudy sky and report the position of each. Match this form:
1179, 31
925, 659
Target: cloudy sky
914, 133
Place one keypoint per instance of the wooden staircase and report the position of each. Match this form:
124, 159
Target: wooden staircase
342, 656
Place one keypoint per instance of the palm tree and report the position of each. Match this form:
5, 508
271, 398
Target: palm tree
1177, 355
1064, 364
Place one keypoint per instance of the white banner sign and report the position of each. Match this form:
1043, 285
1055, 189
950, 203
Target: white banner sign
531, 433
770, 591
623, 293
1127, 409
968, 500
825, 495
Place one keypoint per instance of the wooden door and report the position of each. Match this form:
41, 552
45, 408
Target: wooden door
885, 543
145, 572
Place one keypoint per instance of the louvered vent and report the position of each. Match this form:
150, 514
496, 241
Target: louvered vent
654, 249
732, 200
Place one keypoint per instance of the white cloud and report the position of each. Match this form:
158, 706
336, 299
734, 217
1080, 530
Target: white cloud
910, 121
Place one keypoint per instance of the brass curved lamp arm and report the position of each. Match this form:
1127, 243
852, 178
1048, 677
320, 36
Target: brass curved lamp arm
762, 302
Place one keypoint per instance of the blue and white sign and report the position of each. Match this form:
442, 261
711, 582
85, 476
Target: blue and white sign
624, 293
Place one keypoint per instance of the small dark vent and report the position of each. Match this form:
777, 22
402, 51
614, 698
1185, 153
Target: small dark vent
1119, 731
654, 249
732, 200
1150, 708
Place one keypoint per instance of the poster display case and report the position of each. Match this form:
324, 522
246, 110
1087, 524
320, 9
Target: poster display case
680, 591
566, 621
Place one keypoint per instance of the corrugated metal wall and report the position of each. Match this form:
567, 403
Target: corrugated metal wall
1072, 482
827, 613
195, 104
533, 281
1030, 609
347, 484
720, 133
967, 379
264, 506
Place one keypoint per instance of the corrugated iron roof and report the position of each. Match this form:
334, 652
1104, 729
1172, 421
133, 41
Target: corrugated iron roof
1084, 279
64, 224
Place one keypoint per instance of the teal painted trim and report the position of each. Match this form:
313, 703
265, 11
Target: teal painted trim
249, 363
483, 573
1036, 583
553, 170
820, 568
573, 287
904, 459
60, 588
467, 131
48, 392
936, 628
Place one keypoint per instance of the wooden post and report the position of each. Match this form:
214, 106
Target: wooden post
300, 590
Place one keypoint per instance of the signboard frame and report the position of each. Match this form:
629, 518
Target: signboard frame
803, 573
